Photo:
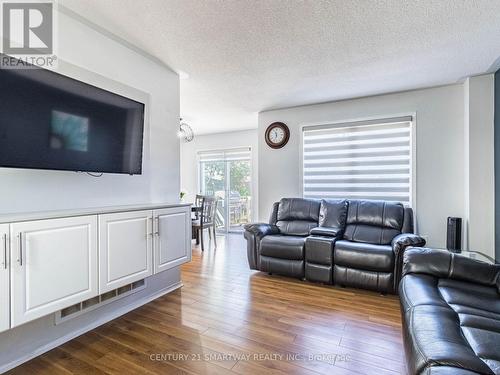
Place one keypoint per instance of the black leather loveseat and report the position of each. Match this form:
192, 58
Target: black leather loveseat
451, 313
356, 243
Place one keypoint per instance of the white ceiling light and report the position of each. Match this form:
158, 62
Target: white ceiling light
185, 132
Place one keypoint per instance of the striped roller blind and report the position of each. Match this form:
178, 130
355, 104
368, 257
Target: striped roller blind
243, 153
368, 160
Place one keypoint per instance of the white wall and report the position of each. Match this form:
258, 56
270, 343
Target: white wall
440, 141
81, 45
480, 156
218, 141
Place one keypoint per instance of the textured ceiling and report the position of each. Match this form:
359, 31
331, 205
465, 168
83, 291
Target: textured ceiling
243, 57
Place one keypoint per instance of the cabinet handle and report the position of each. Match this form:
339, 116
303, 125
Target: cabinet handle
20, 248
152, 228
157, 233
4, 251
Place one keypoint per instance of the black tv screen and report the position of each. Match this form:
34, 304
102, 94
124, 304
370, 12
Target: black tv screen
50, 121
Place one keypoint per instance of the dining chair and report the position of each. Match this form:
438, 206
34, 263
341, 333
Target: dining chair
206, 220
197, 206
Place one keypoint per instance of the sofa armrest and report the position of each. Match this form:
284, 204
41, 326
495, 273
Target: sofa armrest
404, 240
445, 264
399, 244
325, 231
253, 234
261, 229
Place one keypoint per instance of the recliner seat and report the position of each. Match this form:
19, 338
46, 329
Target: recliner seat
283, 255
364, 256
284, 247
363, 265
366, 240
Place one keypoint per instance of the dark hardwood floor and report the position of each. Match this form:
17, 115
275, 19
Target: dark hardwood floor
228, 319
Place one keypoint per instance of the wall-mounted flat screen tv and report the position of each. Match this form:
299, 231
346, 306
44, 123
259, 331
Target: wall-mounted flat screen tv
50, 121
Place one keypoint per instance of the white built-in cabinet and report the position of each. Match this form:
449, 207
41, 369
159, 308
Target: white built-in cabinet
172, 245
53, 265
49, 264
4, 278
125, 248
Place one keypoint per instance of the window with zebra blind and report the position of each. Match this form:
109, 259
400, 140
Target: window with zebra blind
359, 160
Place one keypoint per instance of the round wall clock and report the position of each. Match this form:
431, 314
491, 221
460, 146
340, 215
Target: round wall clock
277, 135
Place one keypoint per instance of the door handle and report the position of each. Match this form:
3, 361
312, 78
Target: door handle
20, 248
5, 251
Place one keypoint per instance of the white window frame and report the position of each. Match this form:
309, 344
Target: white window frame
352, 122
226, 176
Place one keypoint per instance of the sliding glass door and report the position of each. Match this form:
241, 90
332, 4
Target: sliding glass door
227, 174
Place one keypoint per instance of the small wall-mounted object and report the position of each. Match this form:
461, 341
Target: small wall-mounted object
185, 131
277, 135
454, 234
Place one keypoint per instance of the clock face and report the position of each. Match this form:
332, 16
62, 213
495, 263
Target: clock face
277, 135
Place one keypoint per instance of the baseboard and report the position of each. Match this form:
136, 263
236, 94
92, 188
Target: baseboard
113, 315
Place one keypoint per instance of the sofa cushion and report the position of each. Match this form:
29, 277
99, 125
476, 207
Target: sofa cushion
296, 227
478, 310
449, 321
463, 297
436, 338
485, 343
417, 290
445, 264
376, 222
298, 209
471, 299
297, 216
284, 247
333, 214
364, 256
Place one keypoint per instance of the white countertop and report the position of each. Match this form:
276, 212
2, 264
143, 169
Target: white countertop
40, 215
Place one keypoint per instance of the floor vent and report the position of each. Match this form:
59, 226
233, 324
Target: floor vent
98, 301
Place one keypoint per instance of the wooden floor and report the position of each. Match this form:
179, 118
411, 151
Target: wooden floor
227, 319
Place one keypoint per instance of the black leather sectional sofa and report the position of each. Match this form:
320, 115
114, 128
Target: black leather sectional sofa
356, 243
451, 313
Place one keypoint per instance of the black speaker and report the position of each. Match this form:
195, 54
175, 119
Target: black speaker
454, 234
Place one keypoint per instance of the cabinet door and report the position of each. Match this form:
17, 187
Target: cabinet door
172, 237
53, 265
4, 278
125, 248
